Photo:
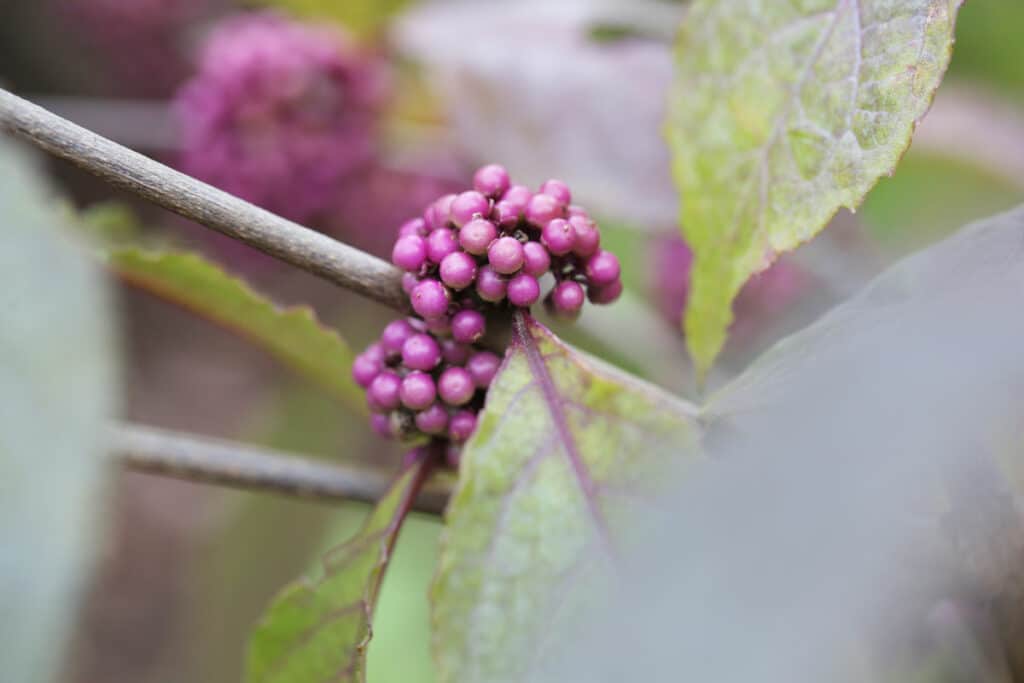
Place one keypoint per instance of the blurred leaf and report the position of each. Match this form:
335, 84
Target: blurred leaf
362, 17
782, 113
317, 631
110, 223
57, 384
989, 46
294, 335
566, 451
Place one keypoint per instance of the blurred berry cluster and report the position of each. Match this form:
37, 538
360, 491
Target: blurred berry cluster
469, 257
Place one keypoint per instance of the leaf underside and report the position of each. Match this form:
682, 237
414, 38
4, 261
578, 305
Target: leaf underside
780, 114
566, 451
315, 632
294, 336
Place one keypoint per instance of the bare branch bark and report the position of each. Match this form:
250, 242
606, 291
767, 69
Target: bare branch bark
213, 461
304, 248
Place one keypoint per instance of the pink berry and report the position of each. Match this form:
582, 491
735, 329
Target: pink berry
482, 367
491, 180
455, 353
383, 391
461, 425
421, 352
430, 299
414, 226
558, 236
458, 270
469, 205
440, 243
394, 336
523, 290
588, 237
605, 294
505, 255
409, 282
518, 194
381, 425
558, 190
409, 252
543, 209
418, 390
476, 235
468, 326
567, 298
507, 214
440, 326
490, 285
365, 369
536, 259
438, 214
456, 386
602, 269
576, 210
433, 420
376, 352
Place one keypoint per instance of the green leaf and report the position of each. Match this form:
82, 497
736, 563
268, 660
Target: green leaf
567, 449
362, 17
294, 335
780, 114
57, 390
317, 631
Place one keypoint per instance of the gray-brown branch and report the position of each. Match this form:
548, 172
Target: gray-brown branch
213, 461
301, 247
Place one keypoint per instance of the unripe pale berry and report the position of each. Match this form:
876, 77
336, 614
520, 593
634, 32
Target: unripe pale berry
383, 391
455, 353
381, 425
490, 285
418, 390
605, 294
458, 270
542, 209
482, 367
414, 226
394, 335
430, 299
409, 252
491, 180
558, 190
476, 235
505, 255
456, 386
602, 269
536, 259
469, 205
468, 326
588, 237
432, 420
440, 243
365, 369
558, 236
523, 290
421, 352
567, 298
461, 425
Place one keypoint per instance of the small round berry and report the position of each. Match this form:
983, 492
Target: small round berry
455, 353
409, 281
468, 326
523, 290
558, 190
381, 425
458, 270
477, 235
543, 209
558, 236
567, 298
536, 259
413, 226
491, 180
418, 390
421, 352
576, 210
376, 352
365, 369
461, 425
505, 255
519, 195
409, 252
383, 391
440, 243
469, 205
588, 237
507, 214
394, 335
430, 299
605, 294
433, 420
602, 269
490, 285
440, 327
482, 367
456, 386
439, 213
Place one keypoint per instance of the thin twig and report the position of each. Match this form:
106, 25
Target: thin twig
304, 248
213, 461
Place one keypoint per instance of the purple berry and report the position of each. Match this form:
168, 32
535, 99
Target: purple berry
376, 352
576, 210
461, 425
543, 209
456, 386
394, 336
602, 269
438, 214
490, 285
440, 243
558, 236
440, 327
482, 367
433, 420
536, 259
491, 180
468, 326
383, 391
409, 252
523, 290
418, 390
458, 270
414, 226
409, 282
455, 353
507, 214
588, 237
421, 352
430, 299
567, 298
605, 294
365, 369
469, 205
477, 235
381, 425
558, 190
505, 255
518, 194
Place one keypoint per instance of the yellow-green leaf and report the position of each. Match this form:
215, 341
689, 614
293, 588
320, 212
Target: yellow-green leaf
294, 335
362, 17
780, 114
566, 451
